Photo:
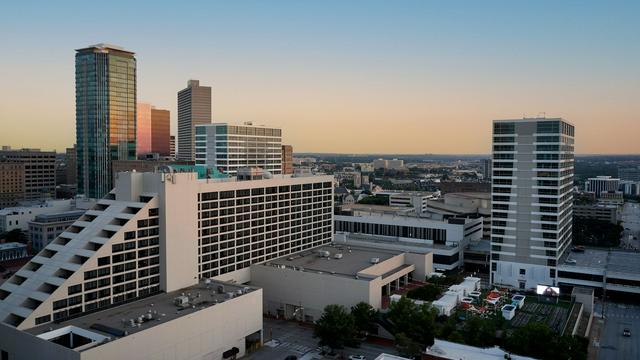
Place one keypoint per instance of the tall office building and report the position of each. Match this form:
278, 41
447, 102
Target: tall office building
532, 200
72, 165
105, 114
287, 159
486, 169
152, 130
39, 171
194, 108
231, 147
162, 232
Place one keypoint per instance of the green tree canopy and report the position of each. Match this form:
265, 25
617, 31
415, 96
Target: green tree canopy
364, 316
335, 328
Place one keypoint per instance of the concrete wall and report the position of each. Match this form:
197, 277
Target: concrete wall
314, 291
21, 345
205, 334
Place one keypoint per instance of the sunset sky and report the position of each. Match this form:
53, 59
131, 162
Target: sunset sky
341, 76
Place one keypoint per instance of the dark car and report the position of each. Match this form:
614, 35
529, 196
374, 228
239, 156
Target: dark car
291, 357
626, 332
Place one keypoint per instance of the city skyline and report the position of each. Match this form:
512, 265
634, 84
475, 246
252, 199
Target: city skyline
335, 77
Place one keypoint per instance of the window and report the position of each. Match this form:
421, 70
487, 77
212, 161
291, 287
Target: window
523, 271
103, 261
42, 320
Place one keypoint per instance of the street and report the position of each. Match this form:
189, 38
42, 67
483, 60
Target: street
612, 344
284, 338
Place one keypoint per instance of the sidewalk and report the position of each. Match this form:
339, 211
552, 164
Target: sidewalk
594, 338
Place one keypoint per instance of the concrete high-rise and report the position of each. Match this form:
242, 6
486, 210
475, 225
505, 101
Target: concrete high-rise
194, 108
105, 114
162, 232
229, 147
152, 129
532, 200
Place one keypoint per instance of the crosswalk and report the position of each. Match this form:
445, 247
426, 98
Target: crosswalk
296, 347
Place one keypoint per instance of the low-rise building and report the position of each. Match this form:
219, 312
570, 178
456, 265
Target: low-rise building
597, 211
12, 251
46, 227
412, 199
299, 286
209, 320
613, 270
384, 227
462, 205
447, 350
611, 197
18, 217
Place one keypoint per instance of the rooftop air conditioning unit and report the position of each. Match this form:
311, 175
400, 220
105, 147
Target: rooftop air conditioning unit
181, 301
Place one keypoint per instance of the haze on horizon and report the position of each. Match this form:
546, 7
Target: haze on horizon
341, 77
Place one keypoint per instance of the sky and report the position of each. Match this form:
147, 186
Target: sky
341, 76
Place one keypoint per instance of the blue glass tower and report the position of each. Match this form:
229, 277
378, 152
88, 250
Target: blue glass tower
105, 114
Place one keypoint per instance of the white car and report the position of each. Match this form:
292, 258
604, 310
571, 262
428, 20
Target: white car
357, 357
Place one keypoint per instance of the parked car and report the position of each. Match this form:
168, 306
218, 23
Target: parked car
357, 357
626, 332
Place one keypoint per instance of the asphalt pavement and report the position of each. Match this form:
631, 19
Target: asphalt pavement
283, 338
612, 344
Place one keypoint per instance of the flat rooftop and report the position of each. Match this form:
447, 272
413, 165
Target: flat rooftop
160, 306
600, 259
354, 259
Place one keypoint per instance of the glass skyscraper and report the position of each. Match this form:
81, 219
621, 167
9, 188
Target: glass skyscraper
105, 114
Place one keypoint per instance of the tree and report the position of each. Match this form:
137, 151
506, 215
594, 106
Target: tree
364, 316
456, 337
407, 347
401, 314
417, 322
428, 292
335, 328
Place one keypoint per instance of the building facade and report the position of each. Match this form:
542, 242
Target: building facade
163, 232
39, 171
194, 108
486, 169
596, 211
152, 129
172, 146
105, 114
532, 198
72, 165
629, 173
13, 218
229, 147
46, 227
446, 239
11, 183
287, 159
601, 184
